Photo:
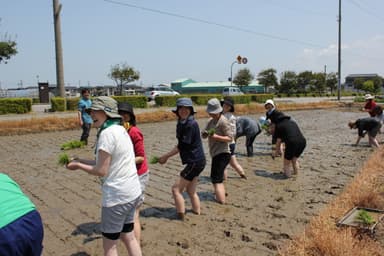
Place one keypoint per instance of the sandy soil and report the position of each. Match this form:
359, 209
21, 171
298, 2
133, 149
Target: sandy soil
262, 212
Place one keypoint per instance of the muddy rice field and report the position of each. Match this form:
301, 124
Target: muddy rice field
262, 213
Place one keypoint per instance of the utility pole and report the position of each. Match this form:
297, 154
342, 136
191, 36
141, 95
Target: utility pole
339, 55
59, 49
325, 77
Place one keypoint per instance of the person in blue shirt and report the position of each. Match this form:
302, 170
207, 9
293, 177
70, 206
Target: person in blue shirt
85, 119
190, 149
21, 228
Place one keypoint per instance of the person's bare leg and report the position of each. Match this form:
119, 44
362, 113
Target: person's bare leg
287, 168
373, 142
237, 167
295, 166
195, 200
131, 243
219, 192
177, 190
137, 226
110, 247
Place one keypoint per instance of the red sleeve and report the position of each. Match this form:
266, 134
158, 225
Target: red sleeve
138, 146
137, 140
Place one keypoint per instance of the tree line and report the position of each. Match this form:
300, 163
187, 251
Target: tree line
304, 82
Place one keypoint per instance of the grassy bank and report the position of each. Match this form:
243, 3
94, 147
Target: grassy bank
36, 125
323, 237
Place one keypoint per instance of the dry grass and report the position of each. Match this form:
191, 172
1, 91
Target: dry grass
36, 125
323, 237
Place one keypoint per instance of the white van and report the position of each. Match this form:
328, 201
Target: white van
230, 91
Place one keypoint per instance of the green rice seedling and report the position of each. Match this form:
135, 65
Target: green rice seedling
154, 160
63, 159
72, 144
211, 131
364, 217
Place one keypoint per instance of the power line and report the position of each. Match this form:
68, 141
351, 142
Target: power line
224, 26
249, 31
366, 10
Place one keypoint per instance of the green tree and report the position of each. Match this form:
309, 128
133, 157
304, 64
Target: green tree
378, 83
243, 77
318, 83
331, 82
303, 80
268, 78
358, 83
288, 82
368, 86
7, 48
123, 74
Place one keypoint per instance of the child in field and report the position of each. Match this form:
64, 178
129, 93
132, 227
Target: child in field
129, 122
228, 109
366, 125
218, 132
115, 165
190, 149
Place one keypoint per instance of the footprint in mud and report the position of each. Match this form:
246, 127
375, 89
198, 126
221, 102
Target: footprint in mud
270, 246
245, 238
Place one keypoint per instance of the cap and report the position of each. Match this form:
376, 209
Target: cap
107, 104
269, 102
214, 106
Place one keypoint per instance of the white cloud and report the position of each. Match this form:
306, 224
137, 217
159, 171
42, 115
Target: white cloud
359, 56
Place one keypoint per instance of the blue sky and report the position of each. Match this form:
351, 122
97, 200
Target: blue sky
168, 40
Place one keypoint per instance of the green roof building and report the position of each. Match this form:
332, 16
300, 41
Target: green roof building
190, 86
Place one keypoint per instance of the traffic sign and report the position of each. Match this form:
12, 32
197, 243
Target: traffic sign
244, 60
239, 59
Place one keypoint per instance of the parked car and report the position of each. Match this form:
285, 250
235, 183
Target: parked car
230, 91
161, 90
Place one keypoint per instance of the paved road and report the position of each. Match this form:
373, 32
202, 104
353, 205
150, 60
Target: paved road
42, 110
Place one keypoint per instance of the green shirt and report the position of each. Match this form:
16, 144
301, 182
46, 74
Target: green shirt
13, 202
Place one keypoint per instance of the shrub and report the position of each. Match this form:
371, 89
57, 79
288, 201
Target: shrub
15, 105
137, 101
58, 104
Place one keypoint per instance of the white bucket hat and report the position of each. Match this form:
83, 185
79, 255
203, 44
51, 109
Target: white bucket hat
214, 106
368, 96
269, 102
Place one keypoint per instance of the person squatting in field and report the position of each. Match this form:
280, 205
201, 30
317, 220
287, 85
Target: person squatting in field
250, 128
288, 132
115, 164
368, 125
190, 148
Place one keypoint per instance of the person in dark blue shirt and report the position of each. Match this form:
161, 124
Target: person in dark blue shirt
190, 149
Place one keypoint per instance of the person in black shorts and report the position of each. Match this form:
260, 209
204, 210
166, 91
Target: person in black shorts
288, 132
368, 125
190, 148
